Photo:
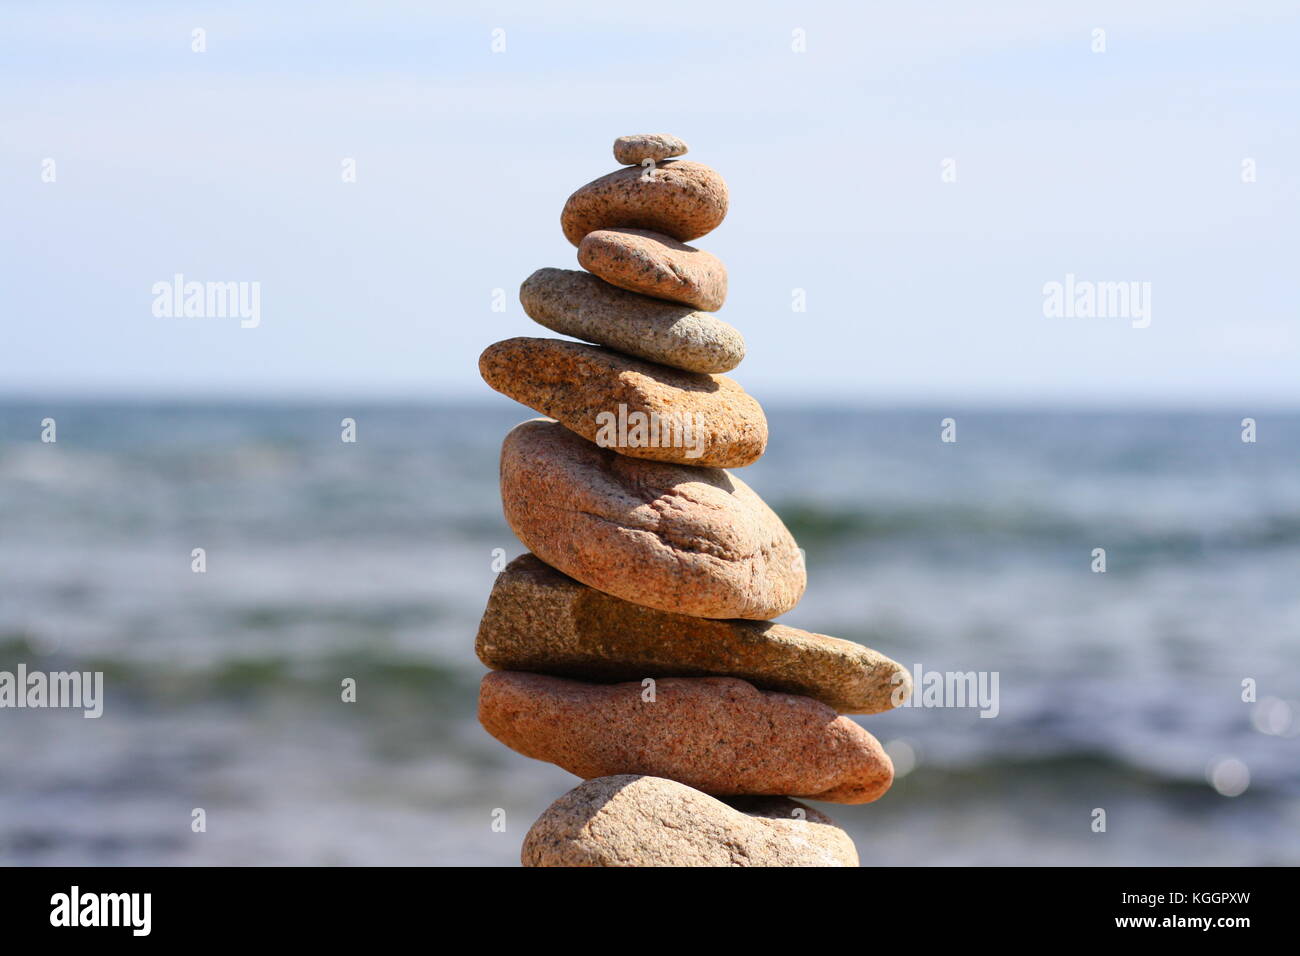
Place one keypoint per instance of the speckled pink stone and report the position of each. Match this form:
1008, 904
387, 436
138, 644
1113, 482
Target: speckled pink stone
653, 264
696, 541
680, 198
716, 734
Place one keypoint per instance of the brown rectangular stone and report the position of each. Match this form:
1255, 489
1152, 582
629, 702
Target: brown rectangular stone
540, 620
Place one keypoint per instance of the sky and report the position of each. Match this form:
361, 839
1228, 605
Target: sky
226, 165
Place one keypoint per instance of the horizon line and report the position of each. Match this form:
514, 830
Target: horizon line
992, 402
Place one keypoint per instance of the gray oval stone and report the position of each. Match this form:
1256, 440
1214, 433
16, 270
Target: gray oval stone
580, 304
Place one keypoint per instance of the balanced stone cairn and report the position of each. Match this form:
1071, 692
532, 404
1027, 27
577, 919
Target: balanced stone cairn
632, 646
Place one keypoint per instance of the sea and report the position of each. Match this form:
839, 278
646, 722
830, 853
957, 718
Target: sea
285, 622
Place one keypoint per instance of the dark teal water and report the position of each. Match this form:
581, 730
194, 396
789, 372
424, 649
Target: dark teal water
373, 561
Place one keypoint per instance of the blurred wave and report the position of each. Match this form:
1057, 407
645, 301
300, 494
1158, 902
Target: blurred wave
372, 561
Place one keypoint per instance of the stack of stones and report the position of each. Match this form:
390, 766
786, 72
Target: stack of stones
633, 645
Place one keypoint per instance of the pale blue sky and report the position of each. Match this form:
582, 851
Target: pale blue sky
226, 166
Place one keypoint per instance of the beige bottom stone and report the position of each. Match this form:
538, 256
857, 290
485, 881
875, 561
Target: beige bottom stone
633, 820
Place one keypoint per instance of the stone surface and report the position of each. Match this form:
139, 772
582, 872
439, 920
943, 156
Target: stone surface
695, 541
631, 150
602, 395
681, 199
716, 734
540, 620
577, 303
633, 820
642, 261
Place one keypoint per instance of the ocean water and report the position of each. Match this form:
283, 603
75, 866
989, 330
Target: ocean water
1117, 691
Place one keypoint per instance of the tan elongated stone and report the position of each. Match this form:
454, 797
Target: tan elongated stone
695, 541
540, 620
679, 198
716, 734
630, 150
578, 303
653, 264
634, 407
634, 820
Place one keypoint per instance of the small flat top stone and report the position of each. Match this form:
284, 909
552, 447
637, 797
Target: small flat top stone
632, 150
